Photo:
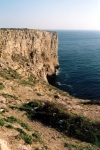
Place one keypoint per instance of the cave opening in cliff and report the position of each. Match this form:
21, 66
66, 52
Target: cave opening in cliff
53, 78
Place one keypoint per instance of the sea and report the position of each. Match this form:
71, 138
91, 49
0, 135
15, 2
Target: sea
79, 59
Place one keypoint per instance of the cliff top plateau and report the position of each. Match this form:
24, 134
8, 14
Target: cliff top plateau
33, 114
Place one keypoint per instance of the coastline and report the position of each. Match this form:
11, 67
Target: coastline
28, 104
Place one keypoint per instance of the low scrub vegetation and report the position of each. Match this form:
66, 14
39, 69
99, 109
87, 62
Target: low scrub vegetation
26, 137
15, 120
72, 125
7, 122
24, 82
9, 126
2, 122
9, 96
76, 147
9, 74
3, 110
32, 78
1, 86
36, 135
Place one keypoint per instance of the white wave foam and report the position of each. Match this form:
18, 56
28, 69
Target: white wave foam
59, 83
57, 71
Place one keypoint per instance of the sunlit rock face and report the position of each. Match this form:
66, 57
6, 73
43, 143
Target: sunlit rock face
29, 51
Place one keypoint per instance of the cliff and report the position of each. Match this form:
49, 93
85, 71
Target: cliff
33, 114
29, 51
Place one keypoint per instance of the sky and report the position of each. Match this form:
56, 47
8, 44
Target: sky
50, 14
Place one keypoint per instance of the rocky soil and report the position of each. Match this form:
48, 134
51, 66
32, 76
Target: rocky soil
16, 92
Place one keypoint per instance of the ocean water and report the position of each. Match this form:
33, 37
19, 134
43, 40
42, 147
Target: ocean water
79, 58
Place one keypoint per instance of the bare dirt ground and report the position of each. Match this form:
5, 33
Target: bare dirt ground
14, 94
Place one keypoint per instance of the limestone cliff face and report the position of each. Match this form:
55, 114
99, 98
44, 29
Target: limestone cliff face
29, 51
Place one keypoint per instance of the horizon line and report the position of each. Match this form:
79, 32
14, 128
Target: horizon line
52, 29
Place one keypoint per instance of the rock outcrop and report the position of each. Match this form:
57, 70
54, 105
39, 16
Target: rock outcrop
29, 51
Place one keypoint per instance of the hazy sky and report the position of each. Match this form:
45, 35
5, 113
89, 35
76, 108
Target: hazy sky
50, 14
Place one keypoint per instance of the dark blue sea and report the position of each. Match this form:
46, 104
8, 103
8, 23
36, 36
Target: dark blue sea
79, 58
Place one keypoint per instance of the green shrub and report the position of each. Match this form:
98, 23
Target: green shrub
72, 125
2, 122
9, 126
29, 106
24, 125
1, 86
69, 145
11, 119
36, 135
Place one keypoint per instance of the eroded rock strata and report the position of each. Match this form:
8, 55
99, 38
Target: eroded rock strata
29, 51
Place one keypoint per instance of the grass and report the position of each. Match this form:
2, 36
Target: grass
12, 88
36, 135
1, 86
9, 74
26, 137
11, 119
76, 147
70, 146
32, 78
24, 125
2, 122
9, 96
15, 120
24, 82
72, 125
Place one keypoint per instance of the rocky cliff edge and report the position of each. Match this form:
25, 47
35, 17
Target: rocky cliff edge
33, 114
29, 51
